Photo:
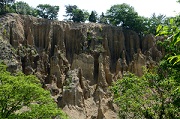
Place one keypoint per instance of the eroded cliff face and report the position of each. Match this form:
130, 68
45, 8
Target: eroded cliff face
76, 62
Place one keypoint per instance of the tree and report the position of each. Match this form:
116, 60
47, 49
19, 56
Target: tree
156, 94
141, 25
21, 97
75, 14
5, 6
47, 11
102, 19
171, 45
93, 16
86, 15
78, 15
69, 11
121, 14
23, 8
149, 96
154, 21
124, 15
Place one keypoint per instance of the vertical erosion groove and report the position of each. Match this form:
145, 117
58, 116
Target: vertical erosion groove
10, 34
96, 66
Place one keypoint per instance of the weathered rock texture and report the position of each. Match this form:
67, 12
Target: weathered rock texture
77, 62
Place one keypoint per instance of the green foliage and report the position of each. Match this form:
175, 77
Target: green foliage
69, 11
172, 32
43, 10
22, 97
147, 97
89, 37
100, 38
120, 14
23, 8
5, 6
78, 15
124, 15
93, 16
154, 21
75, 14
86, 15
175, 59
102, 19
47, 11
155, 95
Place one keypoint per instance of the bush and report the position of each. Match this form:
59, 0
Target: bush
21, 96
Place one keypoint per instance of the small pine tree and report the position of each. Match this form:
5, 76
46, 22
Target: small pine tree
93, 17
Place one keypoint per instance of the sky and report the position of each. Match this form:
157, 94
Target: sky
143, 7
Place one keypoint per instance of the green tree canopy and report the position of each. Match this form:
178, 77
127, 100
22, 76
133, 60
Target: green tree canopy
69, 11
47, 11
21, 97
23, 8
121, 14
124, 15
172, 44
154, 21
102, 19
5, 2
78, 15
5, 6
75, 14
149, 97
93, 16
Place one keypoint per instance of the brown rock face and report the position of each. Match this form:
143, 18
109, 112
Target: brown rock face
77, 62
